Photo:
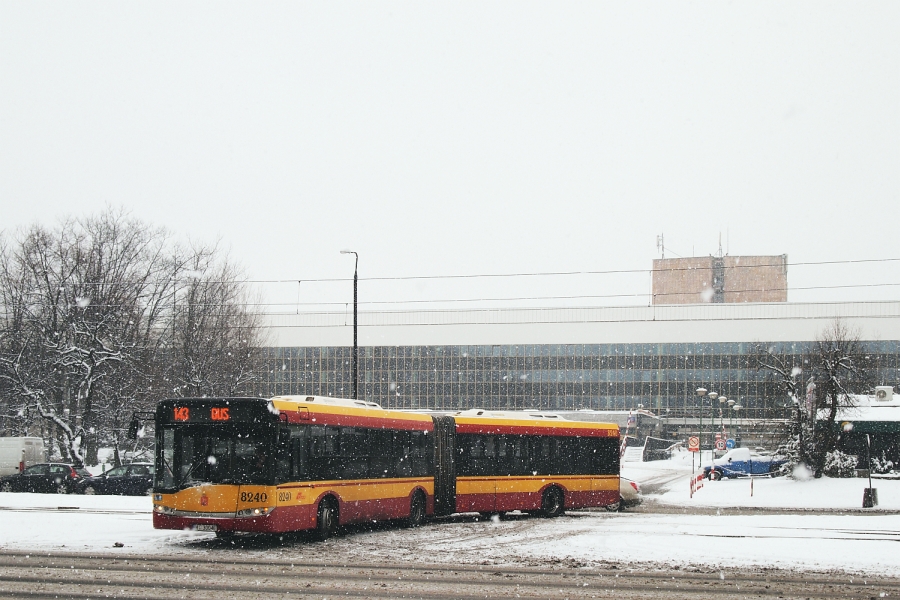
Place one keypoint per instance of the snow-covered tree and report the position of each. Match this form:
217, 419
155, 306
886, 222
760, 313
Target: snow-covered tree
93, 326
820, 382
217, 338
75, 300
788, 369
841, 369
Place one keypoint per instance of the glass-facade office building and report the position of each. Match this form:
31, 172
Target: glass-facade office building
630, 370
660, 377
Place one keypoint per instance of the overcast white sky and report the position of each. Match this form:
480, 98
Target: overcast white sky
463, 138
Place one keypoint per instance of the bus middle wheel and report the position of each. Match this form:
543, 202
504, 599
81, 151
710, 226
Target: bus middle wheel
553, 502
416, 511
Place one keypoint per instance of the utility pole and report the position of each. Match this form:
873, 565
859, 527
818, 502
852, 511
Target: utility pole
355, 357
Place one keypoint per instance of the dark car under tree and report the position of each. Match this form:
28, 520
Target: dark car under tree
135, 479
48, 478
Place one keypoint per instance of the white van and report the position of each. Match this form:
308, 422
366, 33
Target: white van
11, 453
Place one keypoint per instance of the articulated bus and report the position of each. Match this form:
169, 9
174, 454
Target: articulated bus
293, 463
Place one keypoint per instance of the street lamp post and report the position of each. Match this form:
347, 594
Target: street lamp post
731, 416
355, 324
700, 393
712, 420
722, 401
738, 407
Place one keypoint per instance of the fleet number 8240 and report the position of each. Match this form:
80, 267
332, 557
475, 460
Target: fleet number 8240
254, 497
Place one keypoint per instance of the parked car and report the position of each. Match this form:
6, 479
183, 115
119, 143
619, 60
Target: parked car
51, 478
629, 495
135, 479
738, 462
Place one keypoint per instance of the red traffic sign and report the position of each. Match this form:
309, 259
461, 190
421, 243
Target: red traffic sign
694, 444
720, 445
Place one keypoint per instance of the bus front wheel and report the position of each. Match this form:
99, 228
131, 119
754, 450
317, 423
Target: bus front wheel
553, 502
326, 523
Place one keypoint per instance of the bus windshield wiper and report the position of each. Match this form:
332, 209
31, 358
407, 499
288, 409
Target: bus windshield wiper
181, 482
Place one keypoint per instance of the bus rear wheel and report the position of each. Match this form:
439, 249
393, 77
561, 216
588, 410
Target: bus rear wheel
552, 503
327, 520
416, 511
617, 506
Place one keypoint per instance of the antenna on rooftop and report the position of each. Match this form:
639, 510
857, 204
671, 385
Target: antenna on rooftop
660, 246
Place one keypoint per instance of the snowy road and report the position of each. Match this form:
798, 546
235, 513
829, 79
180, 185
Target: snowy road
730, 538
854, 543
231, 574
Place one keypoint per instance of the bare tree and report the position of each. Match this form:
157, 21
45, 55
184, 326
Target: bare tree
217, 338
99, 317
75, 301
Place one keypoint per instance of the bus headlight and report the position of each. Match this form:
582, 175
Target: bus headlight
164, 510
259, 511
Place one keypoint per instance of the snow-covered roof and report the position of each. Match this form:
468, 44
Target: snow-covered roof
883, 406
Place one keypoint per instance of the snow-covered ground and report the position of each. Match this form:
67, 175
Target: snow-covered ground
668, 482
729, 530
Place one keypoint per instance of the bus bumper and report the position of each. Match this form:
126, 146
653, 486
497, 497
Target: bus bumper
281, 519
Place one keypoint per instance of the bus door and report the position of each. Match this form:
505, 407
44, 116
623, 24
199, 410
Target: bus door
514, 467
444, 468
254, 462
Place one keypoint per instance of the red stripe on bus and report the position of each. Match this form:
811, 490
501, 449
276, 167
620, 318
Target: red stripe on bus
343, 420
534, 430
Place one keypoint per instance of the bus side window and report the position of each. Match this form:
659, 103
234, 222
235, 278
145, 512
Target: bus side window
381, 462
316, 455
501, 462
582, 461
283, 456
462, 458
518, 455
421, 450
540, 456
566, 450
402, 443
299, 456
354, 452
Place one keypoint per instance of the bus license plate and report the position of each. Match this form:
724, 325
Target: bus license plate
205, 527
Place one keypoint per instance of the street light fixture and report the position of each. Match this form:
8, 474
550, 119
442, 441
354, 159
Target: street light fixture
355, 324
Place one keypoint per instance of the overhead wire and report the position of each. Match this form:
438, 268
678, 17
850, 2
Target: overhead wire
526, 274
518, 298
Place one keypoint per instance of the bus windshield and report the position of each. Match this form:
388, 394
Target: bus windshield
191, 455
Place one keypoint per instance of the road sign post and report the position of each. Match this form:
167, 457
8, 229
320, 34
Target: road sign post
694, 443
693, 447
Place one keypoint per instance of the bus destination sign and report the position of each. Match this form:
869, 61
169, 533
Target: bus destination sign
219, 414
215, 411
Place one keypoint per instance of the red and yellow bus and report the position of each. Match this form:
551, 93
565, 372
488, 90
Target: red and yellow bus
293, 463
